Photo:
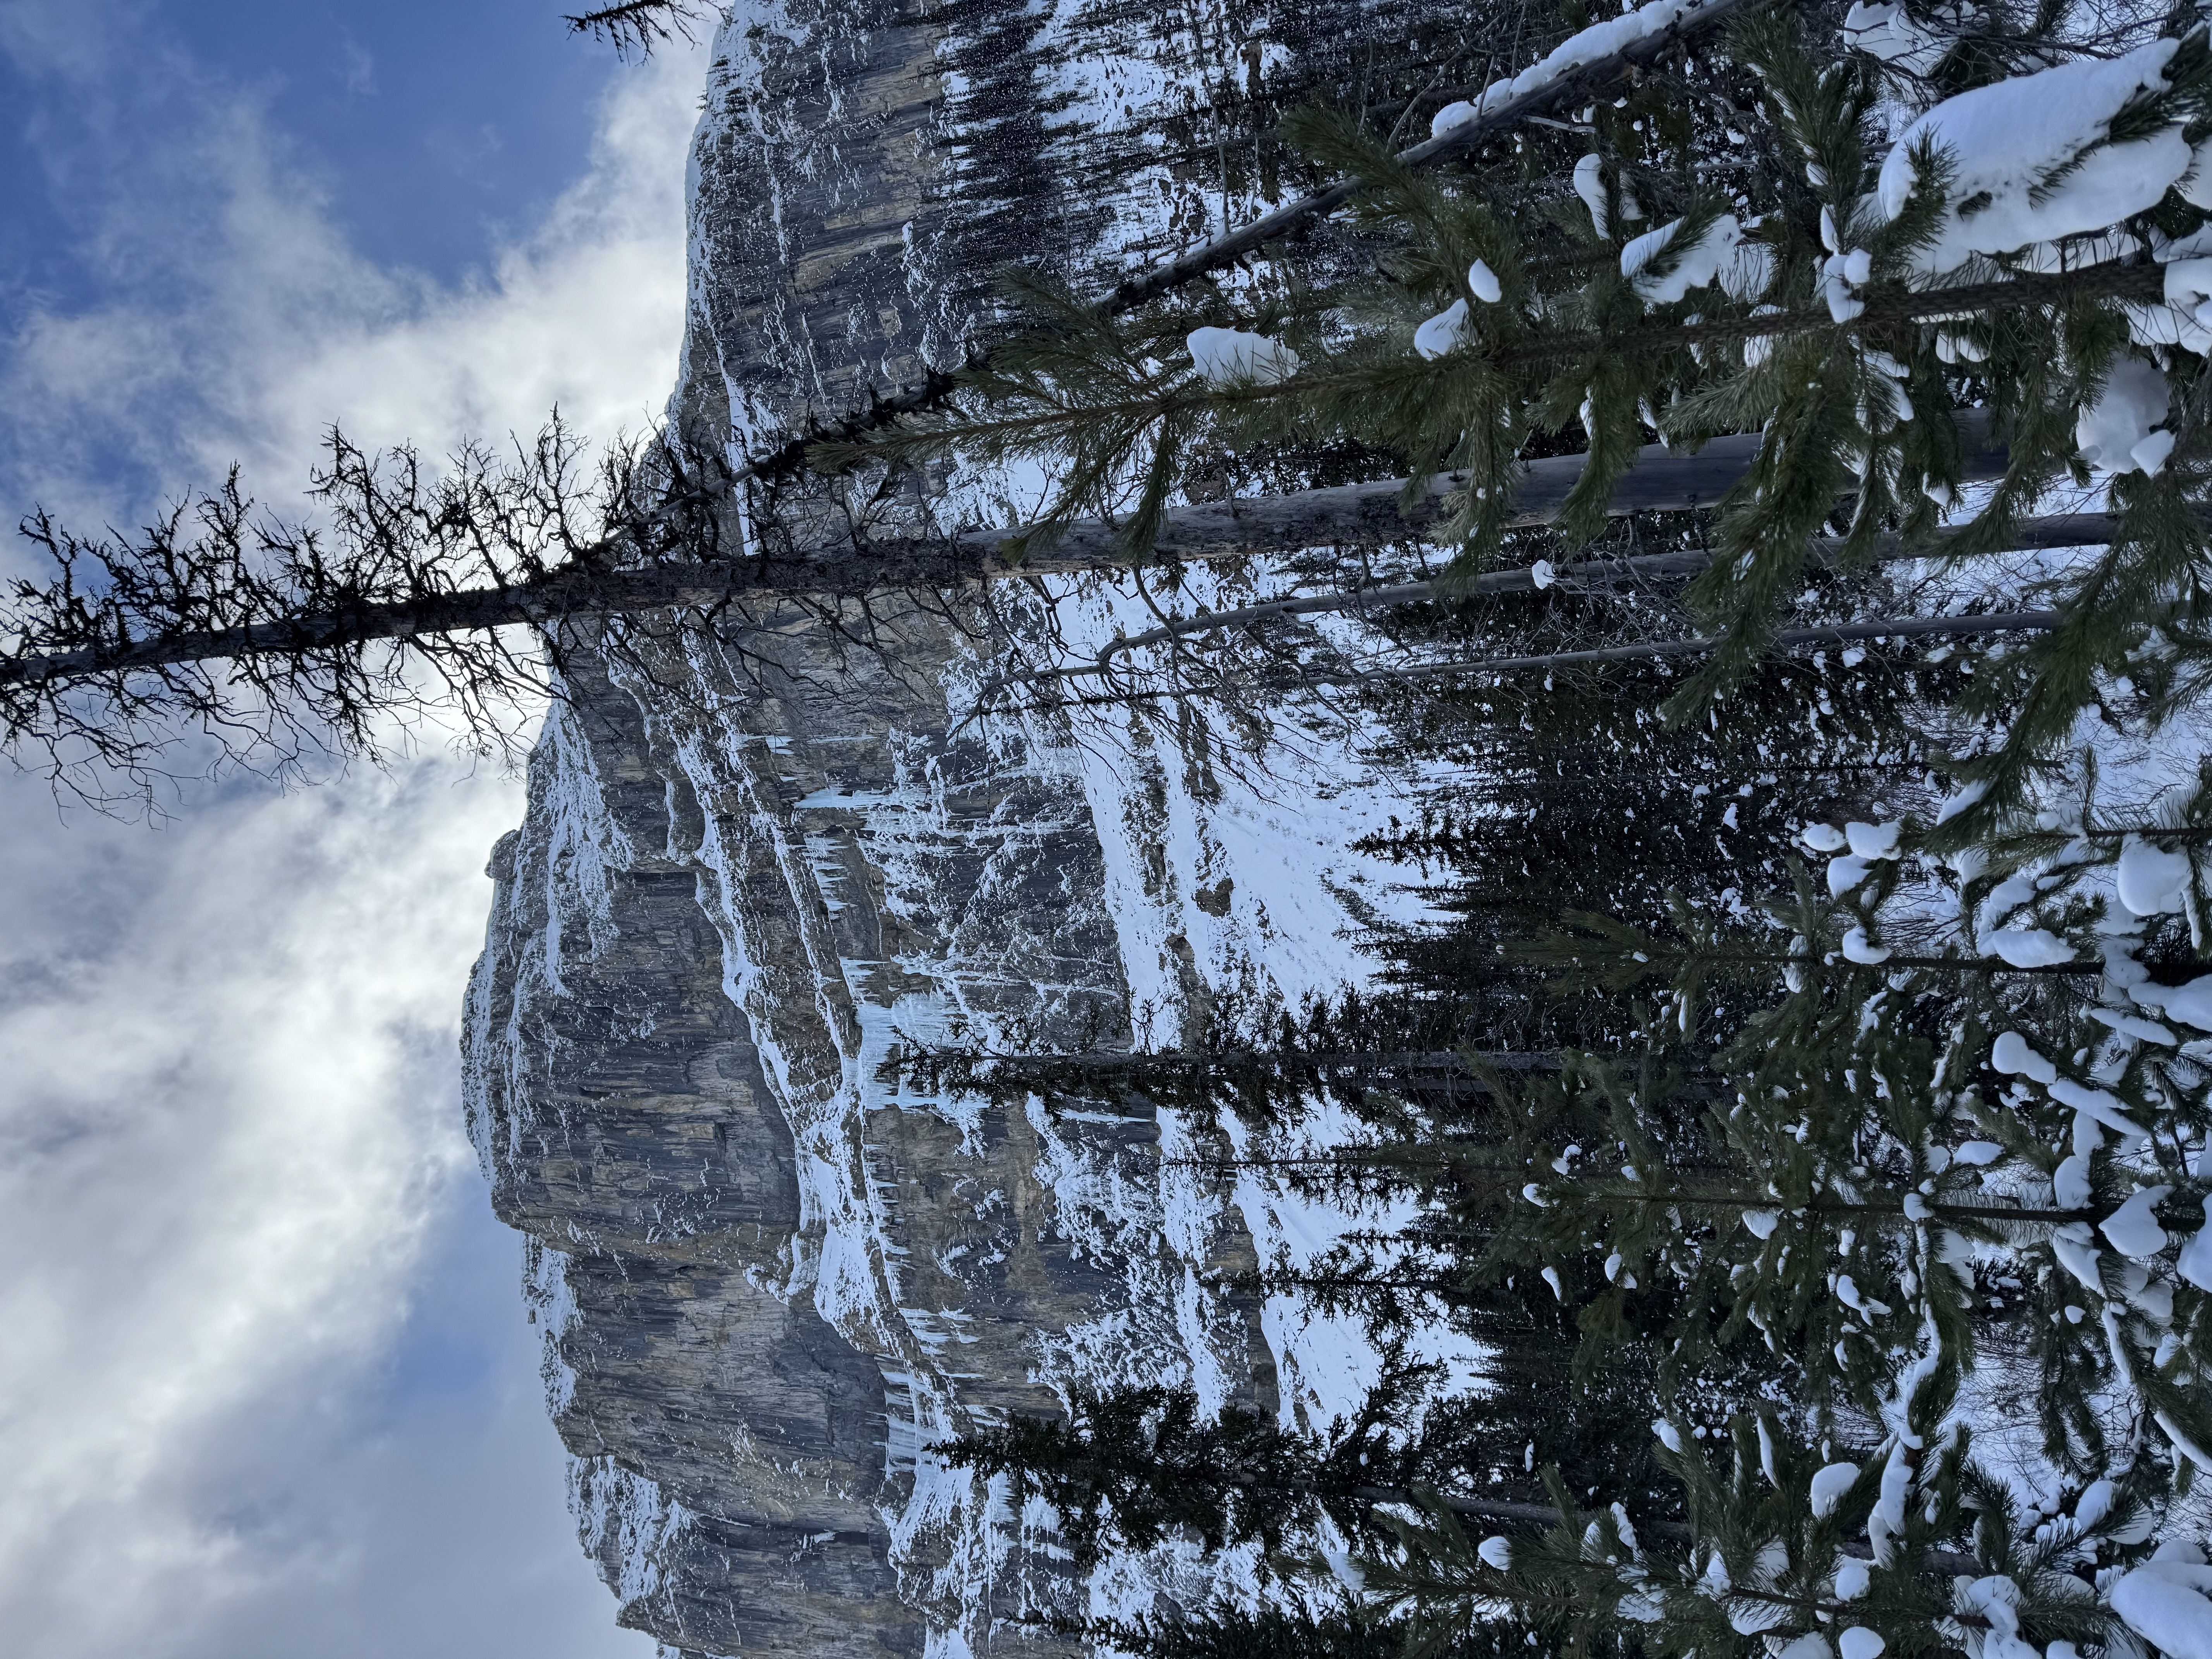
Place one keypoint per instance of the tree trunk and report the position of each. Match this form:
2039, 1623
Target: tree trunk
1350, 515
1588, 575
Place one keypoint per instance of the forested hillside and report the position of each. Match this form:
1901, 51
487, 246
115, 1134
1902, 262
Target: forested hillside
1799, 1090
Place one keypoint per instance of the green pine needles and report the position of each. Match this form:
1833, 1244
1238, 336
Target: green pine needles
1595, 294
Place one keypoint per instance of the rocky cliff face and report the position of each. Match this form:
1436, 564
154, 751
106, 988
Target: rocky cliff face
769, 1280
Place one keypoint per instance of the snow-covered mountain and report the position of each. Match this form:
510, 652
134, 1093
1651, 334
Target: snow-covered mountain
768, 1279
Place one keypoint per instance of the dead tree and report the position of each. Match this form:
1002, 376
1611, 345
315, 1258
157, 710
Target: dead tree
452, 596
276, 644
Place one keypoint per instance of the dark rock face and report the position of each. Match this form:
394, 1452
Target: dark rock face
768, 1278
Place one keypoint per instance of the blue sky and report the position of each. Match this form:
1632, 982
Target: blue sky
422, 121
268, 1388
239, 223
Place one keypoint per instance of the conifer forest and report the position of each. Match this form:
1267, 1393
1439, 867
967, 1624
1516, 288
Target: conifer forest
1743, 469
1802, 1093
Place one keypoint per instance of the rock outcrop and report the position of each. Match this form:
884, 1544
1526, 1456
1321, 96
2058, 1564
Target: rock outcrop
768, 1278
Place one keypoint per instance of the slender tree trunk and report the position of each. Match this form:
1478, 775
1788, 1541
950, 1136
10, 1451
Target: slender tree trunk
1588, 575
1348, 515
1651, 650
1173, 1059
2004, 622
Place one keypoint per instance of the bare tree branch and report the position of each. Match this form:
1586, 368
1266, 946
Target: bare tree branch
639, 26
1448, 146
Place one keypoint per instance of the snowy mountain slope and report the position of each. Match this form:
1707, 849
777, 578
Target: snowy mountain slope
768, 1279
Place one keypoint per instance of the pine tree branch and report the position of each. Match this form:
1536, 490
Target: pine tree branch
1547, 1515
1293, 218
2138, 283
1448, 146
2033, 291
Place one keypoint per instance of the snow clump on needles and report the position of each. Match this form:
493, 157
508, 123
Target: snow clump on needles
2007, 144
1229, 356
1593, 45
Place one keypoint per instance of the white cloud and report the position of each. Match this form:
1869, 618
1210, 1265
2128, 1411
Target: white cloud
226, 1128
586, 313
242, 323
228, 1118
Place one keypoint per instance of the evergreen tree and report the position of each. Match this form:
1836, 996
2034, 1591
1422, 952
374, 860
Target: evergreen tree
1837, 305
1265, 1064
1139, 1465
1859, 1118
1767, 1560
1819, 1141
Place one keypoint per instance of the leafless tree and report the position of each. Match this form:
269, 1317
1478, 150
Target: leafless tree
455, 596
